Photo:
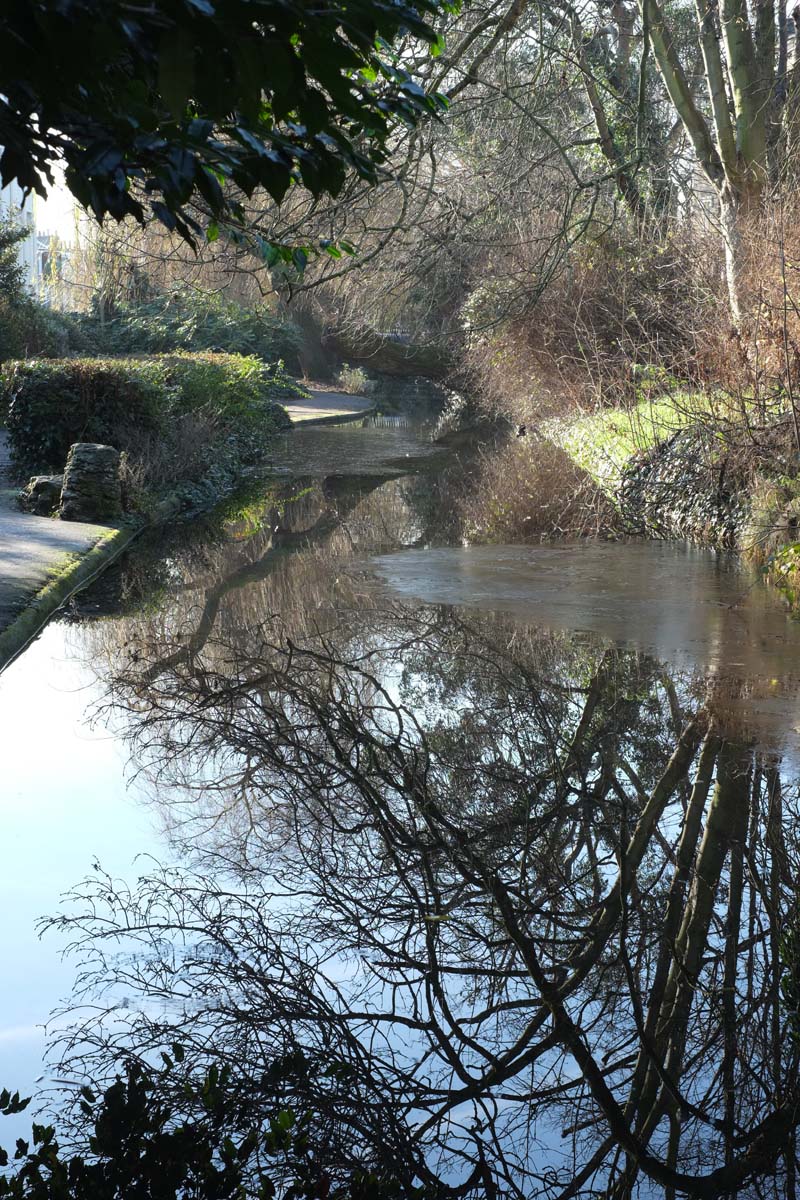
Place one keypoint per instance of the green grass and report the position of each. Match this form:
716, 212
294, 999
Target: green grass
602, 442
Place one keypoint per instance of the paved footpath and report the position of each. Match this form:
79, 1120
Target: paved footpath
32, 549
328, 408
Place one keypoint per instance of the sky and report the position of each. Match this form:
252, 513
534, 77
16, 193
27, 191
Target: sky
55, 214
65, 801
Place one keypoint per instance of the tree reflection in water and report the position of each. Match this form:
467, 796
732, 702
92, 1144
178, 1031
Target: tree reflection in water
516, 901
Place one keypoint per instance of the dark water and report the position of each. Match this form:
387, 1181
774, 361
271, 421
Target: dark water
357, 448
496, 850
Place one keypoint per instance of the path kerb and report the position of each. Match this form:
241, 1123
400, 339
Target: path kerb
76, 573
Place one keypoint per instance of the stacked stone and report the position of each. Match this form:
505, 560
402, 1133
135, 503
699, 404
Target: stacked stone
679, 489
42, 495
91, 489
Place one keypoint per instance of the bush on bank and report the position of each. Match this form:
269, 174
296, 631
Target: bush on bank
31, 329
184, 319
177, 417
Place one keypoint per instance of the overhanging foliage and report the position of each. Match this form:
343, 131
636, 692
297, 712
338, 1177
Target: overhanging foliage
158, 106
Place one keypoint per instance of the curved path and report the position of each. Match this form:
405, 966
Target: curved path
328, 408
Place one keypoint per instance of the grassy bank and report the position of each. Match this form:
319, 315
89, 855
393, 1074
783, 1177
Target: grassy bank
562, 478
602, 443
752, 466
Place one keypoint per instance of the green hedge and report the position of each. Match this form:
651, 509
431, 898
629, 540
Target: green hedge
51, 403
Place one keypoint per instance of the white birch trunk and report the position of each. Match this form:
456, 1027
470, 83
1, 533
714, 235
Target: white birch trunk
730, 225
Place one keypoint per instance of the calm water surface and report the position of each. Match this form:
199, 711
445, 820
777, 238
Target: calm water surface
512, 832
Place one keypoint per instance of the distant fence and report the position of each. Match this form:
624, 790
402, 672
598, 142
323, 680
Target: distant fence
379, 421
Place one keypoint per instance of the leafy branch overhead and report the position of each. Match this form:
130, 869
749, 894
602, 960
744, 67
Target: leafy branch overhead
163, 106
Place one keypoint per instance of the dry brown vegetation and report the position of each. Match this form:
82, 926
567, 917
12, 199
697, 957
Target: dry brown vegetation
527, 491
628, 324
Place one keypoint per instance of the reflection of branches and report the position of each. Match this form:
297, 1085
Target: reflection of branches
282, 541
490, 885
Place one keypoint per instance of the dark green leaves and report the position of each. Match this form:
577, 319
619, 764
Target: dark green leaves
176, 70
170, 1136
200, 102
12, 1103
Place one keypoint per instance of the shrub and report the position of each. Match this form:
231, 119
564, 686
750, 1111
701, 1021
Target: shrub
774, 519
355, 380
619, 303
240, 390
52, 403
138, 402
29, 329
187, 320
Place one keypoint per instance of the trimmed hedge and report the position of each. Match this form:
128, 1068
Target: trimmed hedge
51, 403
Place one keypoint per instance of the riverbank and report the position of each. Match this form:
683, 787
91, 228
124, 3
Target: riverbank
42, 562
672, 468
699, 467
666, 473
45, 561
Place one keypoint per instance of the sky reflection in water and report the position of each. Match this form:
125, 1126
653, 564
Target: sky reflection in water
500, 690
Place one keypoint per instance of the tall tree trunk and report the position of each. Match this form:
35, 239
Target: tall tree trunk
731, 143
737, 207
730, 225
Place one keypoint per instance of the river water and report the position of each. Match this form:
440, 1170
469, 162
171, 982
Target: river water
500, 843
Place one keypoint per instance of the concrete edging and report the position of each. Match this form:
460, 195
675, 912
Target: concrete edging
76, 575
345, 418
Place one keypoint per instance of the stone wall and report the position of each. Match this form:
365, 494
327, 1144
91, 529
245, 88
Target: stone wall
682, 488
413, 395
